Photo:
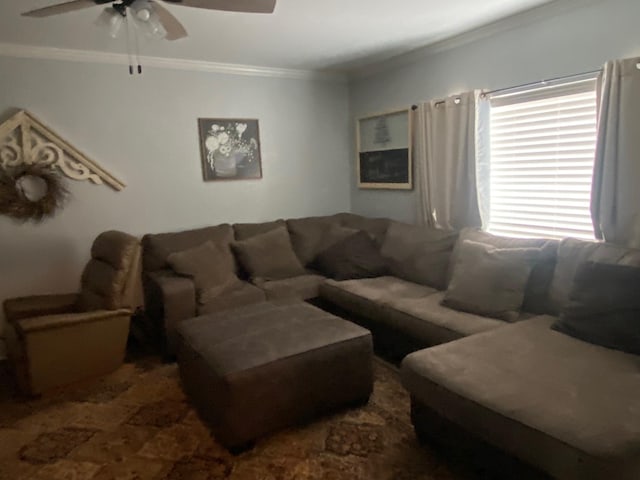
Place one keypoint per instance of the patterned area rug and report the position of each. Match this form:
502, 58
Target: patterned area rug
136, 424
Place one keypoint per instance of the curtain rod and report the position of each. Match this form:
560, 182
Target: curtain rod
437, 104
532, 84
542, 82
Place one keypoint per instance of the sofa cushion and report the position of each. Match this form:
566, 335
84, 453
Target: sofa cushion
211, 266
537, 293
419, 254
307, 236
380, 290
356, 256
368, 298
268, 256
573, 253
434, 323
302, 287
604, 307
375, 227
406, 306
490, 281
157, 247
243, 231
237, 295
564, 405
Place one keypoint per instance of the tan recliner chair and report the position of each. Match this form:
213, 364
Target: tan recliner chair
55, 340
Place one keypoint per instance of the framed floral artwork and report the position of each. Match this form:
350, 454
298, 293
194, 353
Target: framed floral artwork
230, 148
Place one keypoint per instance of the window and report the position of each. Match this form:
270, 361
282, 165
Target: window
542, 149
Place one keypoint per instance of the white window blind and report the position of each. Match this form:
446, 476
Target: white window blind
542, 145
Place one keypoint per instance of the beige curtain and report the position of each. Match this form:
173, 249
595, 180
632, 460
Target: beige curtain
615, 196
445, 156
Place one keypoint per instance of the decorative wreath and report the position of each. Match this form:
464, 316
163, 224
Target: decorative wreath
22, 204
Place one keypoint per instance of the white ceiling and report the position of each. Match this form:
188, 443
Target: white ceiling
301, 34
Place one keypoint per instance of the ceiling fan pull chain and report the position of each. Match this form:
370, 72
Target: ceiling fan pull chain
126, 27
137, 50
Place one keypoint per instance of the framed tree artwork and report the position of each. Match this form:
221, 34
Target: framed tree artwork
384, 151
230, 148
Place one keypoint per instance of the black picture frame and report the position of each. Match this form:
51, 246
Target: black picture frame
230, 149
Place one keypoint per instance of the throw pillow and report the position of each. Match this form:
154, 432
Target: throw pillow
356, 256
306, 236
375, 227
334, 234
419, 254
572, 254
490, 281
211, 266
244, 231
536, 293
269, 256
604, 307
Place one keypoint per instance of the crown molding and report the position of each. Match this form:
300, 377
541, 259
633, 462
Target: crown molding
88, 56
518, 20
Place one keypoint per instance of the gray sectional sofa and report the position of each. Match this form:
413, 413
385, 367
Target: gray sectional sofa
171, 298
566, 406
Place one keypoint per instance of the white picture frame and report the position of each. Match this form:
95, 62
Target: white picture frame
383, 151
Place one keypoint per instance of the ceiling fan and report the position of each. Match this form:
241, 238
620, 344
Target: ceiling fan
150, 10
149, 16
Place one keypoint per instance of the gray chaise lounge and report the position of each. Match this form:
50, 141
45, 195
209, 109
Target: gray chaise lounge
566, 406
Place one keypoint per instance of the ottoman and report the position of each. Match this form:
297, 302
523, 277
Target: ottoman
256, 369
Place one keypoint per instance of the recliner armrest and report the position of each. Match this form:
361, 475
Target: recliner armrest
39, 305
51, 322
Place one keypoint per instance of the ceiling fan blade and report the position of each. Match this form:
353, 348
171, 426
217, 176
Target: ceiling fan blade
64, 8
175, 30
248, 6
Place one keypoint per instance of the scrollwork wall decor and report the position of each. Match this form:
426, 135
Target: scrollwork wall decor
26, 141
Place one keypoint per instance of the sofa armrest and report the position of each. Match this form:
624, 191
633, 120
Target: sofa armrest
51, 322
39, 305
169, 299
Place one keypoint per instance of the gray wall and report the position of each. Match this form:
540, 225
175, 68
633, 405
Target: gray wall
145, 131
570, 41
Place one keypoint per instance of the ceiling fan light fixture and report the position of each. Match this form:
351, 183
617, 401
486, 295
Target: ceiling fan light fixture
146, 19
112, 20
144, 15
